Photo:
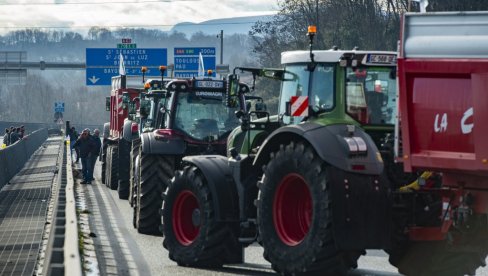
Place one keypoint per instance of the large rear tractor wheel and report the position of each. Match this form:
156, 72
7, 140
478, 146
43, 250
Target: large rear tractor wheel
113, 168
124, 151
193, 237
135, 190
156, 172
108, 166
462, 257
133, 157
294, 216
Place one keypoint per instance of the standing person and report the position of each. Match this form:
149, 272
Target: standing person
73, 136
14, 136
96, 150
85, 145
6, 137
22, 131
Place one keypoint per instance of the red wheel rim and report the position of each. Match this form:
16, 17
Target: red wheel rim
292, 209
185, 206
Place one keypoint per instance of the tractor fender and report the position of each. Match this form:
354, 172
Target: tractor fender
153, 144
127, 131
218, 176
328, 142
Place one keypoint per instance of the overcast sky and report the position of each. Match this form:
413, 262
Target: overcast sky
79, 15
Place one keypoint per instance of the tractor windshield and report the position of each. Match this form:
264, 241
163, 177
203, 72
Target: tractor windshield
318, 86
370, 95
203, 116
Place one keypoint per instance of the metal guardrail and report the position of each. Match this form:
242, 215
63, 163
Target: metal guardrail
14, 157
64, 257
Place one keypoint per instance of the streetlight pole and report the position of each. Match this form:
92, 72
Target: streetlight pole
221, 46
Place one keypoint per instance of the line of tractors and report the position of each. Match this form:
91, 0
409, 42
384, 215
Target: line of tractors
369, 150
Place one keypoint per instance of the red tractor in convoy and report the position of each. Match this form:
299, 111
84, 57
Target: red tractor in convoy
318, 184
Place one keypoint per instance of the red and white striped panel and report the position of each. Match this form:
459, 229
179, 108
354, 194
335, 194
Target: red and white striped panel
299, 106
119, 105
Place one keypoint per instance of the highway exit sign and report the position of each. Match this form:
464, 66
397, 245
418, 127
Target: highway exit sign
126, 46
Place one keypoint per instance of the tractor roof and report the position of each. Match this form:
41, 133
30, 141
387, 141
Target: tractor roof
324, 55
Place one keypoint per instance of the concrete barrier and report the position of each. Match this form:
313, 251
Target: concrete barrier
14, 157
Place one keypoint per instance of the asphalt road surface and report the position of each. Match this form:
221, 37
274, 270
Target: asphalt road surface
121, 250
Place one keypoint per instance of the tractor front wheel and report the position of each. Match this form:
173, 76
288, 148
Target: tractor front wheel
193, 237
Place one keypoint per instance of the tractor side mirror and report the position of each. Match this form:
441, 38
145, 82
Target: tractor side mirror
107, 103
230, 99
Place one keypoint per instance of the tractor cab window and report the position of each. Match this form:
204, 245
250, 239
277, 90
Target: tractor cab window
203, 116
370, 95
150, 119
317, 85
322, 92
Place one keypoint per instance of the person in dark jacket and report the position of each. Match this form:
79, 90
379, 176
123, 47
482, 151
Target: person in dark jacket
14, 136
85, 145
22, 132
6, 137
95, 151
73, 136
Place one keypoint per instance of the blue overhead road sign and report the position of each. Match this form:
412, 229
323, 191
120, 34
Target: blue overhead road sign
187, 59
132, 57
103, 63
191, 63
194, 51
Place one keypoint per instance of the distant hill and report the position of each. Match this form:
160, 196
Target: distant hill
234, 25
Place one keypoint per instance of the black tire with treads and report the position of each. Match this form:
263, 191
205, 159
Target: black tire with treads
156, 172
133, 157
298, 240
124, 160
193, 237
463, 257
108, 168
113, 181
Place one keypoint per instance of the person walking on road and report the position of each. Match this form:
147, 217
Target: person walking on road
95, 151
85, 145
6, 137
73, 136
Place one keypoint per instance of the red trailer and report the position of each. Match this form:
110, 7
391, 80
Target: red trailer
443, 93
119, 132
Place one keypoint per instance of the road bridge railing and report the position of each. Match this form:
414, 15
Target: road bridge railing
14, 157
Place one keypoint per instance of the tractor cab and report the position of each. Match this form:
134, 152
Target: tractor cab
193, 110
353, 87
152, 100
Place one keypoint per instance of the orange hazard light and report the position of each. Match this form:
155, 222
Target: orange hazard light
312, 29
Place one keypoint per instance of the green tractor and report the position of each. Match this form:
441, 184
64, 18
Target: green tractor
308, 184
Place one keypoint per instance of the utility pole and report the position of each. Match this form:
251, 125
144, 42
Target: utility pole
221, 46
317, 22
